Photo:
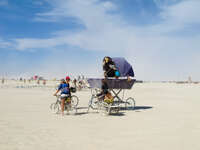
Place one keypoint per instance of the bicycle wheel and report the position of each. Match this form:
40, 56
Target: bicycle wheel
51, 106
94, 103
130, 103
104, 108
74, 100
70, 108
55, 108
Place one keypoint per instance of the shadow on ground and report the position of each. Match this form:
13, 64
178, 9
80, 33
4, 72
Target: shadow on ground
82, 108
81, 113
117, 114
136, 108
142, 107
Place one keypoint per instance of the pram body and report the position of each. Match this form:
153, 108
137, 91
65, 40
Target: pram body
115, 86
113, 83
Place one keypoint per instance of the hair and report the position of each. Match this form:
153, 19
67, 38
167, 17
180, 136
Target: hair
109, 59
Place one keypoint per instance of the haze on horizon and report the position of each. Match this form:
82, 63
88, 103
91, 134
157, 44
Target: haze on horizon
52, 38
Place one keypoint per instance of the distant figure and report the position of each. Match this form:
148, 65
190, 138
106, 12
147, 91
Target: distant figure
44, 82
78, 78
38, 82
189, 79
35, 77
75, 83
82, 77
20, 79
3, 81
29, 80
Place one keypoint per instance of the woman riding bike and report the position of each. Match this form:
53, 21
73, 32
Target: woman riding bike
65, 92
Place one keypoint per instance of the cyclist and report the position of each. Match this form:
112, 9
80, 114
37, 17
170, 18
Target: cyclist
65, 92
105, 94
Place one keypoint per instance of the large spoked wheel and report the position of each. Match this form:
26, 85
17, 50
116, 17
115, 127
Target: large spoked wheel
115, 107
104, 108
55, 108
74, 100
130, 103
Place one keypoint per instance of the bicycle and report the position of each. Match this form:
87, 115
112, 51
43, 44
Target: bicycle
71, 103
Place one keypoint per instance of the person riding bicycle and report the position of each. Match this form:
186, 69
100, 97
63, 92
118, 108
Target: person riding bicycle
105, 94
109, 68
65, 92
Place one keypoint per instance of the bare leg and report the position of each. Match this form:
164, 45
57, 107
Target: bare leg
62, 106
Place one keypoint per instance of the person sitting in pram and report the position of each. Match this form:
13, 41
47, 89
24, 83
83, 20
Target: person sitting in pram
109, 68
105, 95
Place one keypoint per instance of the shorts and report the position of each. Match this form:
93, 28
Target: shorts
64, 95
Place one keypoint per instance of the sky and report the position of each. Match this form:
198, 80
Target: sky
55, 38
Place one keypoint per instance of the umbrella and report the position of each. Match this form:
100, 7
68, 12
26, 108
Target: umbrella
123, 67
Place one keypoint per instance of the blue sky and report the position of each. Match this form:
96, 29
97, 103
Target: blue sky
160, 38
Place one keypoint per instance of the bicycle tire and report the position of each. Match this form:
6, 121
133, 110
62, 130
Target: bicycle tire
94, 102
74, 100
51, 105
130, 103
55, 108
105, 108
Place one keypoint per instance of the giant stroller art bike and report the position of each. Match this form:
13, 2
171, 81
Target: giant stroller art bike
116, 85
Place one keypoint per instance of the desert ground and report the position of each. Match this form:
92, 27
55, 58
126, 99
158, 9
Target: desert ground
166, 117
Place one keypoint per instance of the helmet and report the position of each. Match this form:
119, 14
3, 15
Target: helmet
67, 78
117, 74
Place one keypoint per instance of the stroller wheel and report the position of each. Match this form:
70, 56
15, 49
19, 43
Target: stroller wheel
130, 103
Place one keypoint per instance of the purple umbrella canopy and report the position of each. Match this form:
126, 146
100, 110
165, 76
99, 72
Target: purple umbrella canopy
123, 67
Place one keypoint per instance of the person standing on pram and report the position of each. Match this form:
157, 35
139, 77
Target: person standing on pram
117, 67
105, 95
109, 68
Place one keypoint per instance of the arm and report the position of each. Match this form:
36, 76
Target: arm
129, 78
59, 87
56, 93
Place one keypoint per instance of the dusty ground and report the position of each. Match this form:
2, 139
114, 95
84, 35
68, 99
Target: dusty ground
166, 117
